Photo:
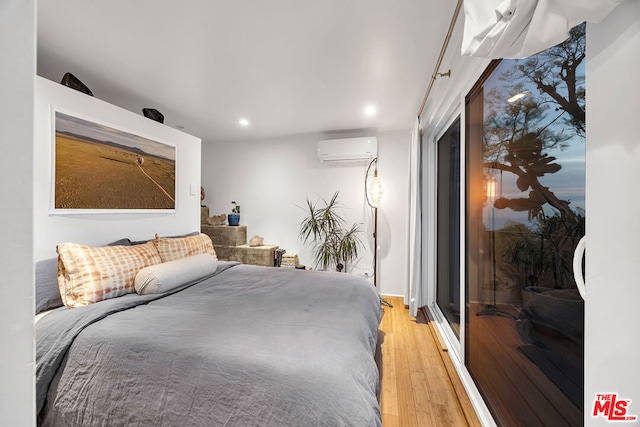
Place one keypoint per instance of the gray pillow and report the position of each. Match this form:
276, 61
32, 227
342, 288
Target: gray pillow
128, 242
47, 290
121, 242
193, 233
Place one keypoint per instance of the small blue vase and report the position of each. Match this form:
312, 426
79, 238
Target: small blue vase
234, 219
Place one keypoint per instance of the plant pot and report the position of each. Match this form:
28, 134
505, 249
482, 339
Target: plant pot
234, 219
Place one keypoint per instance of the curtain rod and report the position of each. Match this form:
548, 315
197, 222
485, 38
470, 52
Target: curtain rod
456, 12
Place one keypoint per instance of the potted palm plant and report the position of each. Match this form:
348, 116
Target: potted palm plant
234, 216
334, 243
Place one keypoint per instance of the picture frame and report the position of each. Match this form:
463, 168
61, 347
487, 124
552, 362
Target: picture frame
98, 167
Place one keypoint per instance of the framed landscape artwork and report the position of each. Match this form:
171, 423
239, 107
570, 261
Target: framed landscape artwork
98, 168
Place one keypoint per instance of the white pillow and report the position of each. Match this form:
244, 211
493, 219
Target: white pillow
160, 278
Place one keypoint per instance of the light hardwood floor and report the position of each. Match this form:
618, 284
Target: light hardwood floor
419, 385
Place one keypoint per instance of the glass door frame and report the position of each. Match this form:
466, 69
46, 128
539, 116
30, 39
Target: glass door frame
430, 203
453, 106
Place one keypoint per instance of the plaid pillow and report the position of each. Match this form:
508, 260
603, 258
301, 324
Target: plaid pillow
173, 248
90, 274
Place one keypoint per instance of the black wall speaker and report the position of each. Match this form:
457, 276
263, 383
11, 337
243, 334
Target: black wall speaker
73, 82
153, 114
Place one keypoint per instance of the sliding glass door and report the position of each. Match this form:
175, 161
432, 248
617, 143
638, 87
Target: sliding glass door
448, 226
525, 179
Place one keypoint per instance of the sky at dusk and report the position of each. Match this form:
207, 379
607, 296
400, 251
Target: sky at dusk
567, 184
78, 126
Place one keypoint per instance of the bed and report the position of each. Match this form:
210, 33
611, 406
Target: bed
243, 345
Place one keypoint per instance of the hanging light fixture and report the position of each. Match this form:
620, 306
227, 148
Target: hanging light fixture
493, 191
373, 191
374, 186
491, 188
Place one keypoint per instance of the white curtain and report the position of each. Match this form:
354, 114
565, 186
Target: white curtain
413, 288
520, 28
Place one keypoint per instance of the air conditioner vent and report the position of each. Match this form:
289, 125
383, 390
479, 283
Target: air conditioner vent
347, 149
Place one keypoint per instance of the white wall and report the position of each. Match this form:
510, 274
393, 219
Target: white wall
270, 179
612, 344
98, 229
17, 49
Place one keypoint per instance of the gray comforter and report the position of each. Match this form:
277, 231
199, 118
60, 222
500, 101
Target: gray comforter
247, 346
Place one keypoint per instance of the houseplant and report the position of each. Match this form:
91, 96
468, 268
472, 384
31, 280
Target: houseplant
234, 216
334, 244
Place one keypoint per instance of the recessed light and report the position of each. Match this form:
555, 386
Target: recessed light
517, 97
179, 127
370, 110
243, 122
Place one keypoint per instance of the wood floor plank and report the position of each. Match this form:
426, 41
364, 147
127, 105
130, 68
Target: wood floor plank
465, 404
389, 388
406, 400
417, 387
390, 420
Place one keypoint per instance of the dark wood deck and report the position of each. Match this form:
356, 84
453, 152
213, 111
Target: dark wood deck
530, 381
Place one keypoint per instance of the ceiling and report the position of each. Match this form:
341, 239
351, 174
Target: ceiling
287, 66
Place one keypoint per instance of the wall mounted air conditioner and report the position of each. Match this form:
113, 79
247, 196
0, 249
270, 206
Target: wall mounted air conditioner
347, 149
